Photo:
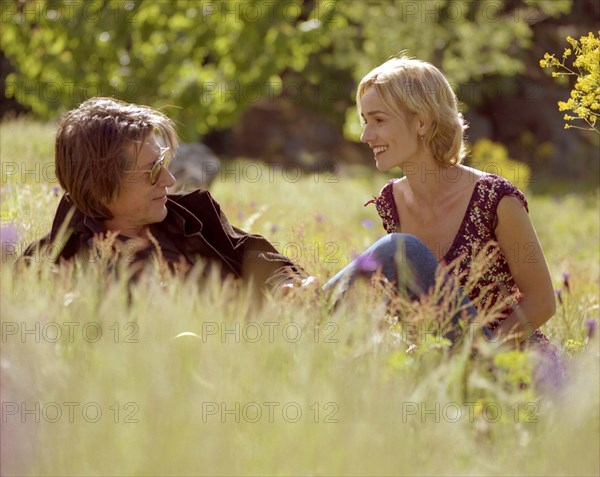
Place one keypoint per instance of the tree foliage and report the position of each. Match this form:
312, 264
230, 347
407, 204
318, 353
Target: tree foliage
206, 62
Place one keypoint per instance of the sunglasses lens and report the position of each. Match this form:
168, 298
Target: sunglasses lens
156, 170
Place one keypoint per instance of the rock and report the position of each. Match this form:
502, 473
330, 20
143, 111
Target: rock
195, 166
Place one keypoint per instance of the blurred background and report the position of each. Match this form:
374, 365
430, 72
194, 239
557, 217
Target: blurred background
275, 80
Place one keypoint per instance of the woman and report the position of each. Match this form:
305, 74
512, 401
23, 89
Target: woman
411, 121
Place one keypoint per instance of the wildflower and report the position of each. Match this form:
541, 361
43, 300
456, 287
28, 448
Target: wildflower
367, 224
566, 277
366, 264
549, 374
9, 236
559, 296
56, 191
319, 217
240, 215
274, 228
591, 327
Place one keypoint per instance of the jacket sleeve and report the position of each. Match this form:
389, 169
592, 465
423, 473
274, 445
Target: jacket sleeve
61, 243
52, 251
263, 263
260, 261
34, 251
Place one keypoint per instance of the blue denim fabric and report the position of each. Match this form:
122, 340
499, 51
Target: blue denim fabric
403, 259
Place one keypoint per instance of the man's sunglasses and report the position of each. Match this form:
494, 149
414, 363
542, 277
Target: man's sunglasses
163, 161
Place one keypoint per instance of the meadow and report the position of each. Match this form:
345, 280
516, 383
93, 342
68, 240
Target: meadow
183, 377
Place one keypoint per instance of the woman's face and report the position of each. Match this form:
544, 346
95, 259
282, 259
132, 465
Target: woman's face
393, 139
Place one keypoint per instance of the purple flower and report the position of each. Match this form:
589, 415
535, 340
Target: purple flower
591, 327
240, 215
367, 224
366, 264
274, 228
549, 375
56, 191
566, 277
9, 238
319, 217
559, 296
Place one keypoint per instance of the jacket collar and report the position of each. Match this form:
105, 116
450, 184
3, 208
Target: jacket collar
178, 220
78, 222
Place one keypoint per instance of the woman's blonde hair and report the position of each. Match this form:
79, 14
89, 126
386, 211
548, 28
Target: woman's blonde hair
411, 86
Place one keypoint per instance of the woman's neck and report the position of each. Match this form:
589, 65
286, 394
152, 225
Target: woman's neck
430, 182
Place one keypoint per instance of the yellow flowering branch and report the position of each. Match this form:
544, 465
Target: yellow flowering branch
585, 97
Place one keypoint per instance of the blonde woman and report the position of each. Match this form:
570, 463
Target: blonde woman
411, 121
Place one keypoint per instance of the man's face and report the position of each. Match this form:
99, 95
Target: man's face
138, 203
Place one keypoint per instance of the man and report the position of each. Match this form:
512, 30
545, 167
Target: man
111, 160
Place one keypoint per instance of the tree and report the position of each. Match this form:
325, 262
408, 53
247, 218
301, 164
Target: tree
206, 62
203, 62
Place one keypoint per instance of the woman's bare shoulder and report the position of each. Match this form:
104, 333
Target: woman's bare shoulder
470, 174
399, 187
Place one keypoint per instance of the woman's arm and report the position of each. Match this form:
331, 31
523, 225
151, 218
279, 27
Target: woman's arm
521, 247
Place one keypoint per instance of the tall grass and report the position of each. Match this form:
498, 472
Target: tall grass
190, 379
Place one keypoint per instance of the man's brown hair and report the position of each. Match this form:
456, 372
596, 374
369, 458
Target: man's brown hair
91, 149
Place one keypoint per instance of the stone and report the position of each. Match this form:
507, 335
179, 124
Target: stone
194, 166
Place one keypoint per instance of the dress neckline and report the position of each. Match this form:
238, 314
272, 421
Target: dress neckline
463, 221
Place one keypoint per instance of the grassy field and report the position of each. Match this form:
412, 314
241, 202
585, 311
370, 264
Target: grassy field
184, 378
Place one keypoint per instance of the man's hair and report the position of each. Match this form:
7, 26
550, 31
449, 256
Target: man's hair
409, 86
91, 150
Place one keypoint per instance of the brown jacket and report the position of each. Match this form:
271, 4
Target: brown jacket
196, 227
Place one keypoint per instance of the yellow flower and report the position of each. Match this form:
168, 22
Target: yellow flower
585, 96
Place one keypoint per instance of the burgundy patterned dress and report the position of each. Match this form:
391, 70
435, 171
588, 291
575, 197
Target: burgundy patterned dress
475, 236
